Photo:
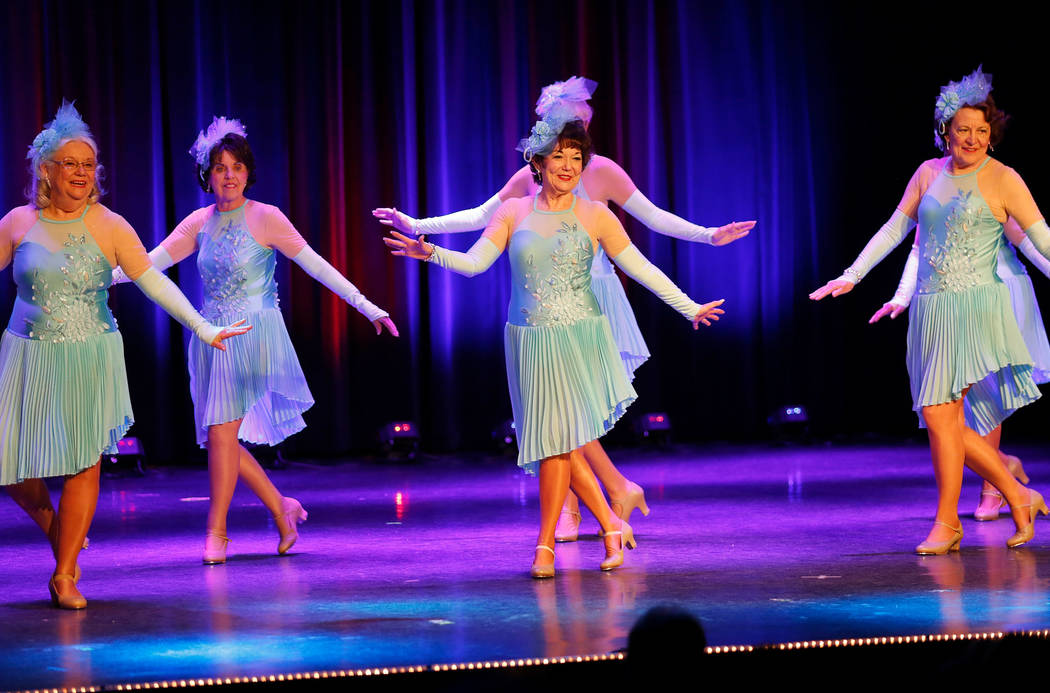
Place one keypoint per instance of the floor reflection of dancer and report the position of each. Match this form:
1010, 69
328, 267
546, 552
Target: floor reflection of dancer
603, 181
961, 327
566, 379
256, 391
1026, 309
63, 387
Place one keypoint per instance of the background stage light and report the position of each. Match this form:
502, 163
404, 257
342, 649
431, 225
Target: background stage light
399, 439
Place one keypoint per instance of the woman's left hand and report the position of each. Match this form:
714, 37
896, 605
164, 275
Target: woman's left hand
724, 235
233, 330
388, 324
707, 313
415, 248
836, 287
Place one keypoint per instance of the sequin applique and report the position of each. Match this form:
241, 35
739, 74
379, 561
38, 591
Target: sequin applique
225, 275
563, 296
953, 259
70, 309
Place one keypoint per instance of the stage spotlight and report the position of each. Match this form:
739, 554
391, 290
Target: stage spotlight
790, 422
654, 427
128, 459
505, 438
399, 439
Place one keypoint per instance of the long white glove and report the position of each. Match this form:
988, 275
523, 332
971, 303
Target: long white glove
165, 294
885, 239
160, 258
1028, 248
473, 262
318, 268
634, 264
906, 288
456, 222
661, 221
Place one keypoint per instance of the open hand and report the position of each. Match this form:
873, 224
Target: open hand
388, 324
891, 309
399, 220
405, 246
233, 330
724, 235
708, 313
836, 287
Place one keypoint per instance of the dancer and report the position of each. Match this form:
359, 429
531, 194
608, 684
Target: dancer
63, 387
567, 383
961, 328
1011, 271
256, 391
603, 181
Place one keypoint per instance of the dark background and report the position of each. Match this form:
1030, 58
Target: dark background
810, 117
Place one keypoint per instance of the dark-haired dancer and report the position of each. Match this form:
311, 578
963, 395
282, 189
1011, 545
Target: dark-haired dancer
255, 392
567, 383
964, 345
603, 181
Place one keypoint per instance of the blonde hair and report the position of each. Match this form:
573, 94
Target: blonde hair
38, 192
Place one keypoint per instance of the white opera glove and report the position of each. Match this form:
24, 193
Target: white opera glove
158, 257
906, 288
634, 264
319, 268
639, 207
1030, 252
885, 239
165, 294
456, 222
473, 262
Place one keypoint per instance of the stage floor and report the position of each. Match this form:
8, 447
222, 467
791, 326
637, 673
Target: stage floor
422, 563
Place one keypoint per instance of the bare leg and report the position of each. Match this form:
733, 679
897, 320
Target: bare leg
33, 497
614, 482
985, 461
224, 452
76, 510
253, 474
554, 484
585, 485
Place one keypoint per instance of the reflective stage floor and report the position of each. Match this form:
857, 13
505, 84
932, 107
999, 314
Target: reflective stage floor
422, 563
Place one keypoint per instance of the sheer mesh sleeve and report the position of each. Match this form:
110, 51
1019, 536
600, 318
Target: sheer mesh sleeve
182, 242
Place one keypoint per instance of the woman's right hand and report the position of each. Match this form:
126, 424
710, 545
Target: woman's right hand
415, 248
836, 287
389, 216
889, 308
708, 312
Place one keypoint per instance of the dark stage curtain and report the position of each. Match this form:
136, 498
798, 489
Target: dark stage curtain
809, 118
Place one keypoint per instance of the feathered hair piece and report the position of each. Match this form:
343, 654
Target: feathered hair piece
219, 128
572, 93
969, 91
67, 125
544, 136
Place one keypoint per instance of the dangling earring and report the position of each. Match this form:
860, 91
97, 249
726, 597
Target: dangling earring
991, 147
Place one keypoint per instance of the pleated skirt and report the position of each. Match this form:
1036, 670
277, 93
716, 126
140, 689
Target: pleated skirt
567, 386
614, 305
62, 405
257, 379
970, 339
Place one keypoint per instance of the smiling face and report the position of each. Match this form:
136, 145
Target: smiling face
71, 171
560, 170
228, 177
968, 137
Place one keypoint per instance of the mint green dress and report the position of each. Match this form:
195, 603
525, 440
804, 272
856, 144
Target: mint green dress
962, 330
568, 385
63, 388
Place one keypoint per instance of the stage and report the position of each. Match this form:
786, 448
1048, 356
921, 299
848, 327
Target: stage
422, 563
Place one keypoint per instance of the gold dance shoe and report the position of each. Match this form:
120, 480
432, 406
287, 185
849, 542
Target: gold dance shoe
214, 548
939, 548
72, 600
542, 571
1036, 506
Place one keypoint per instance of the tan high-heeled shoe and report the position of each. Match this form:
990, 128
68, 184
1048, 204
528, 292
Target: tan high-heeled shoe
65, 601
633, 498
614, 558
983, 514
568, 528
292, 513
214, 548
939, 548
1036, 506
542, 571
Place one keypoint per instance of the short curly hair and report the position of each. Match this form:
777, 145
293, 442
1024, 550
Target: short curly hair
574, 135
997, 121
238, 148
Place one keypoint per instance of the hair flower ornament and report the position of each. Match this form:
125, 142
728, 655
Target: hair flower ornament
206, 140
544, 136
574, 89
970, 90
66, 125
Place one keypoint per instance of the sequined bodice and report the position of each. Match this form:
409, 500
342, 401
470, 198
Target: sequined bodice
62, 278
960, 239
550, 260
237, 272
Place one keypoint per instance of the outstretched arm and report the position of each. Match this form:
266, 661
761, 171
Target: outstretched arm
457, 222
165, 294
321, 270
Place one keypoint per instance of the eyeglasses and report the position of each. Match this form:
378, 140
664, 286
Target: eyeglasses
72, 165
